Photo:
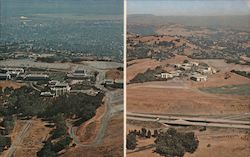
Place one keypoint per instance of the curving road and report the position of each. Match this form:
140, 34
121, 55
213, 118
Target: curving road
111, 98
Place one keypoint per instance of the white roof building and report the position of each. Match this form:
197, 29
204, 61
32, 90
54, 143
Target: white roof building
198, 77
166, 75
61, 88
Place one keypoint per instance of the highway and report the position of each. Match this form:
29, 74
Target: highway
19, 138
189, 121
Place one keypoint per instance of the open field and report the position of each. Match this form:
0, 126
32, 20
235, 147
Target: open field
4, 84
114, 74
177, 100
88, 65
243, 89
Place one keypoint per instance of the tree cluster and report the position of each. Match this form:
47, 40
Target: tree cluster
143, 133
242, 73
173, 143
7, 124
5, 142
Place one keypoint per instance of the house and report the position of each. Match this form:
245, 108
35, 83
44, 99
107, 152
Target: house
177, 65
60, 88
36, 77
166, 75
53, 83
205, 70
79, 74
109, 81
185, 67
5, 76
175, 73
14, 70
47, 94
119, 81
198, 77
194, 63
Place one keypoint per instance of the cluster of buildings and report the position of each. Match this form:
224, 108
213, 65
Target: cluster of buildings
8, 73
19, 74
57, 88
49, 88
195, 71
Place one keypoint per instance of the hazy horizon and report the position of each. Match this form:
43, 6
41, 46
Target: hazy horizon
189, 7
87, 26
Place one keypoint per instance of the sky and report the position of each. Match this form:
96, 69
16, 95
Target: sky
189, 7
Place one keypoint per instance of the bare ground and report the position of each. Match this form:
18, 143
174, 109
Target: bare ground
32, 143
111, 146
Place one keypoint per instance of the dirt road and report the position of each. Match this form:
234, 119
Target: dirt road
19, 138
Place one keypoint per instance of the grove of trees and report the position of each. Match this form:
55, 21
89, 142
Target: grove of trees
174, 143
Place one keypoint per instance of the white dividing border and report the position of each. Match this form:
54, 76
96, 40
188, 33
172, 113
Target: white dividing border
124, 75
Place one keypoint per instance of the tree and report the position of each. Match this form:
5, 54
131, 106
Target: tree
47, 151
173, 143
139, 133
155, 133
61, 144
8, 90
4, 142
131, 141
8, 124
149, 134
1, 90
143, 132
190, 142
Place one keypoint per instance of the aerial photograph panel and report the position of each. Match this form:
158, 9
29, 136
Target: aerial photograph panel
188, 78
61, 78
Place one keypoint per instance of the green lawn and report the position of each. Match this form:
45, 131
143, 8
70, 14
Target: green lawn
243, 89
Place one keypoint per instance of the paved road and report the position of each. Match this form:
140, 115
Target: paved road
188, 118
19, 139
189, 121
33, 86
238, 116
111, 97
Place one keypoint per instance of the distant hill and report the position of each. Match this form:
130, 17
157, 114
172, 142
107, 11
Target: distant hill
232, 22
